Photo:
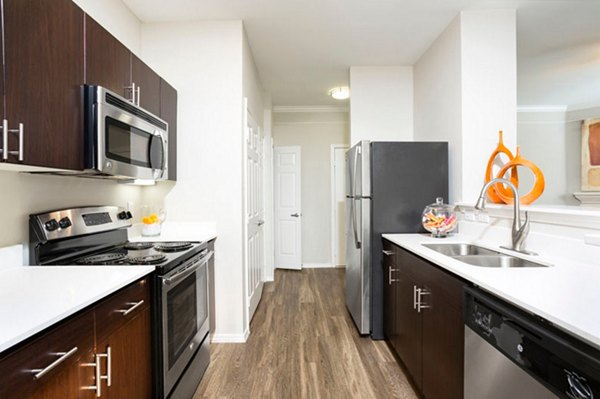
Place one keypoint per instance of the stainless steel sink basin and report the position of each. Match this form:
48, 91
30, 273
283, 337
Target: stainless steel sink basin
460, 249
478, 256
497, 261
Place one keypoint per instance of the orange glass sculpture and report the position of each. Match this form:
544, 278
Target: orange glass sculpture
489, 173
538, 186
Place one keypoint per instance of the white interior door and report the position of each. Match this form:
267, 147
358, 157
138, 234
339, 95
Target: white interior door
288, 211
338, 204
254, 214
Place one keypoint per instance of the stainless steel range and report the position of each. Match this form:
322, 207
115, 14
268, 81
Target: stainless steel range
98, 236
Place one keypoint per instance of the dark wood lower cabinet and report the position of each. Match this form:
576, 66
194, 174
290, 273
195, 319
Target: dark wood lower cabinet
426, 323
88, 336
130, 359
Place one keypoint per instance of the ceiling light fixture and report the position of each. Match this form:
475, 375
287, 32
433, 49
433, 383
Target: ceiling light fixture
340, 93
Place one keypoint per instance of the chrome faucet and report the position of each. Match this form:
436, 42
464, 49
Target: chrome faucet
519, 230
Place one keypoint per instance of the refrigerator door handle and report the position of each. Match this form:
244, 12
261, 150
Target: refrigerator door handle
357, 242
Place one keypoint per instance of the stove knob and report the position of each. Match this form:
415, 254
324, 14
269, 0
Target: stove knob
122, 215
65, 223
129, 215
51, 225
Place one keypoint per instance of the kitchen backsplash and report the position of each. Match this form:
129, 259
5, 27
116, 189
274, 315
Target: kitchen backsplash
24, 194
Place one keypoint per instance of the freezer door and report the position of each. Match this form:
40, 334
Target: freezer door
358, 265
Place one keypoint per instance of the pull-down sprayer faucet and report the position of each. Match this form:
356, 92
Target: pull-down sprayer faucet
519, 230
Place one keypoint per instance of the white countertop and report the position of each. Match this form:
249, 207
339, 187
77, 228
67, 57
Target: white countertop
33, 298
565, 294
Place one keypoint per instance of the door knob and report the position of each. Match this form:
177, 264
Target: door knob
295, 215
260, 222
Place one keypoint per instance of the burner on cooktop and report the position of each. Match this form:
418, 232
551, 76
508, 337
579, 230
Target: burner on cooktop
172, 246
138, 245
104, 259
147, 260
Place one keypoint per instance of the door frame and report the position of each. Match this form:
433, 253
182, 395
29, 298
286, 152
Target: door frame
332, 204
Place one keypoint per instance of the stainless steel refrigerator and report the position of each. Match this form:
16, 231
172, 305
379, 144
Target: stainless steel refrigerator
387, 186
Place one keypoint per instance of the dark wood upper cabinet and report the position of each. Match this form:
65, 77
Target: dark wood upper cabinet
44, 71
107, 60
147, 84
168, 112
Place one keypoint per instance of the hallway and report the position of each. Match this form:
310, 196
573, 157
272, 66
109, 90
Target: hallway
303, 344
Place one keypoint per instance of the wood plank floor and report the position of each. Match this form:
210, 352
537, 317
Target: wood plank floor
303, 344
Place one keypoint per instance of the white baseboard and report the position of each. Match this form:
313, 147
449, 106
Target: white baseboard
267, 278
316, 265
230, 338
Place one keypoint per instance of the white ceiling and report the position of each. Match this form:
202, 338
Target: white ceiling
304, 47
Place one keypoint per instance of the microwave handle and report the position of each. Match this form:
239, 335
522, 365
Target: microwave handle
163, 142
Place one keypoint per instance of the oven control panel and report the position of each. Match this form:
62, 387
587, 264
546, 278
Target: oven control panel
75, 222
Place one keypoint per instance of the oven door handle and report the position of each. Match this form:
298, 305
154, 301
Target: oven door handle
184, 273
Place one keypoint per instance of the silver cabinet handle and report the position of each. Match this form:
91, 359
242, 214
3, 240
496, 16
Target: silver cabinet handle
387, 253
390, 279
39, 373
137, 100
108, 376
415, 296
4, 139
420, 293
295, 215
133, 92
132, 308
18, 131
98, 371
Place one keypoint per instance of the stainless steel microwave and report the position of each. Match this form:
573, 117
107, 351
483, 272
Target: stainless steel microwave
121, 139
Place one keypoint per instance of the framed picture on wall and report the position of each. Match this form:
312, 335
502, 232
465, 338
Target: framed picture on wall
590, 155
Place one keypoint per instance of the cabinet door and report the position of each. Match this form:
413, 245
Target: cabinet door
389, 305
168, 112
147, 82
443, 335
67, 342
44, 71
408, 328
107, 60
130, 359
123, 324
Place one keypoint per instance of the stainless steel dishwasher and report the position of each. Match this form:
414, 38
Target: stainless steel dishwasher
512, 354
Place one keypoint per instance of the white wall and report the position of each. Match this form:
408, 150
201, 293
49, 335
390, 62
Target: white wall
203, 61
115, 17
465, 91
438, 99
381, 103
489, 90
314, 133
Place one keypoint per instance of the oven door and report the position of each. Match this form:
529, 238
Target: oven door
184, 315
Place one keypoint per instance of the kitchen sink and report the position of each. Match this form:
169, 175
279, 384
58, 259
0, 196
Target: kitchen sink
460, 249
497, 261
479, 256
